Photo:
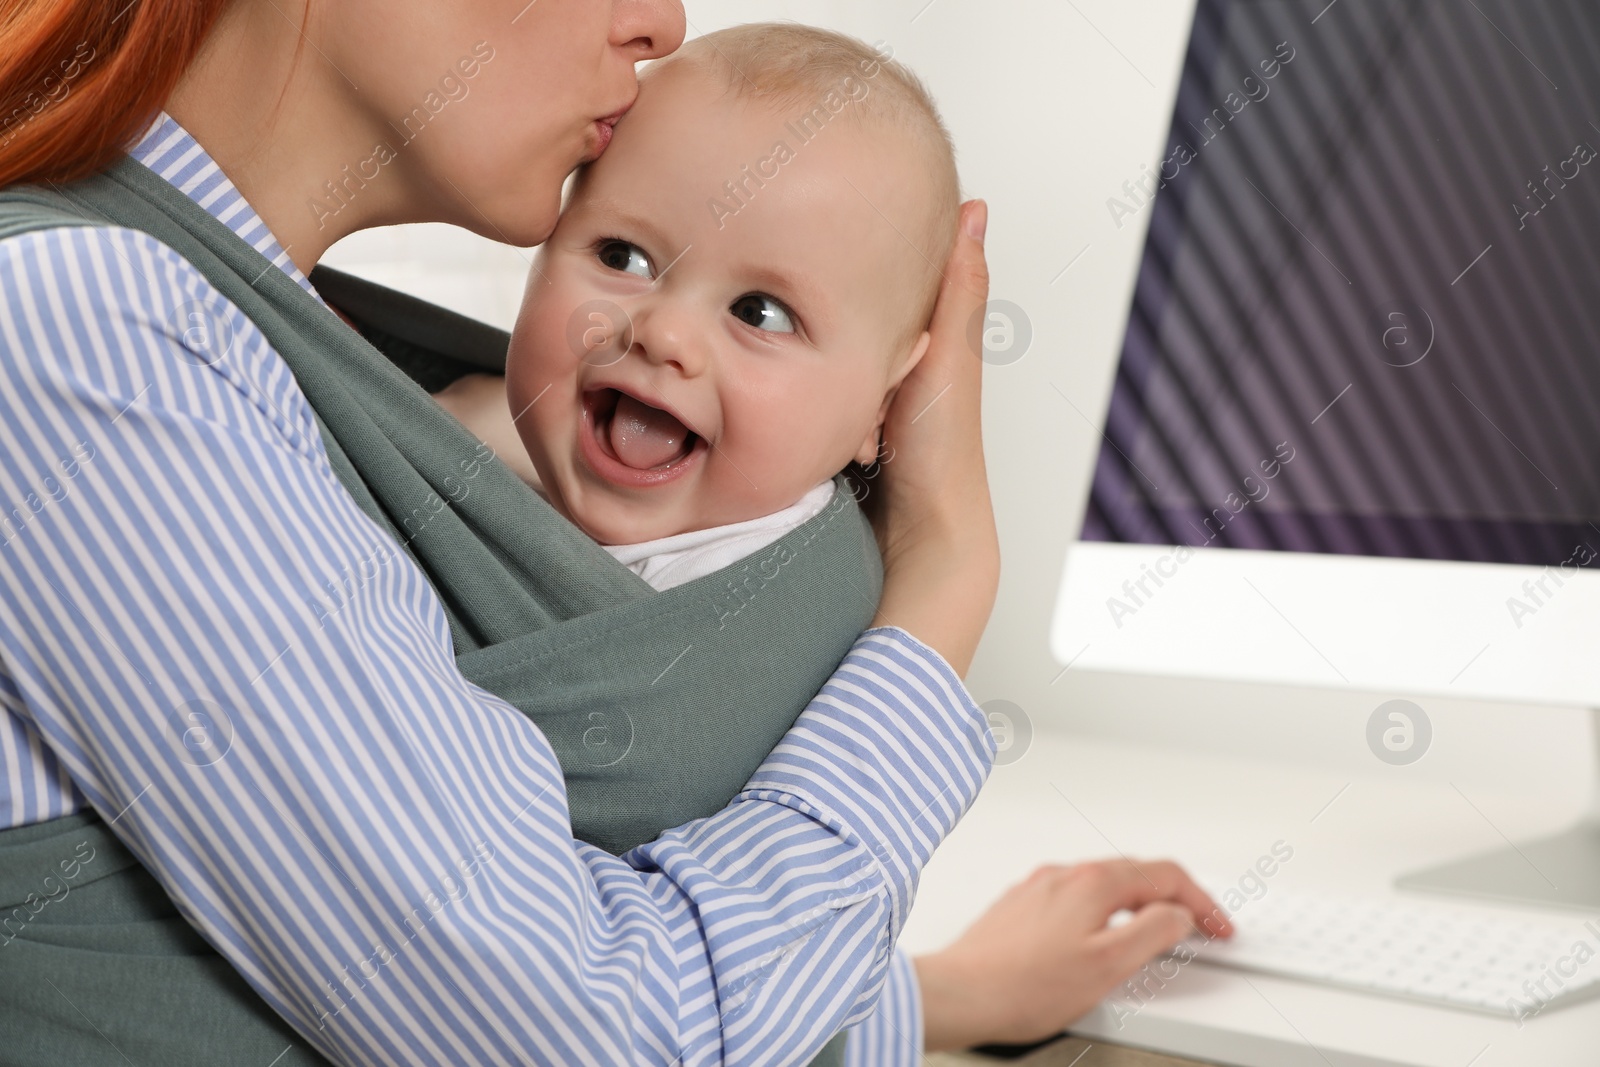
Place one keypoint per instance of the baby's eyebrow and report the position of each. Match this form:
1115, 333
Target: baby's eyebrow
612, 212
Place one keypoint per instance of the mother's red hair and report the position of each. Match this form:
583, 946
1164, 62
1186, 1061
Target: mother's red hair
80, 79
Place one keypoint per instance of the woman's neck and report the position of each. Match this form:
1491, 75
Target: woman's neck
281, 121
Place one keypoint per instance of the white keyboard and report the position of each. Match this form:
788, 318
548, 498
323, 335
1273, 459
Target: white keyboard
1440, 952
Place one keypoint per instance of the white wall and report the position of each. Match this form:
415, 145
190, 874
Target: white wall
1053, 105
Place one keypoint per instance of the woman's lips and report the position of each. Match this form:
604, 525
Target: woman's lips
602, 131
604, 127
598, 456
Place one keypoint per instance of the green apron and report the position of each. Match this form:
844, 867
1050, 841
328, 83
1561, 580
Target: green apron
660, 706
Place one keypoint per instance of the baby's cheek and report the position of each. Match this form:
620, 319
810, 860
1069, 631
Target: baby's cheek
538, 348
784, 450
543, 411
549, 331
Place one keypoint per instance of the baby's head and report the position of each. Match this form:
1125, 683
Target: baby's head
736, 287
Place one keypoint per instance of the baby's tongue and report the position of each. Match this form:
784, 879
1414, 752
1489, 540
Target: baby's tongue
644, 437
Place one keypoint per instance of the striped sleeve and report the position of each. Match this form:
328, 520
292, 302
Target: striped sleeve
382, 849
892, 1035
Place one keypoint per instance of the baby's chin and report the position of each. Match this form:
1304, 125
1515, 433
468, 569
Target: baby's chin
617, 527
616, 522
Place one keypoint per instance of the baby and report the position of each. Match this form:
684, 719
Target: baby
734, 292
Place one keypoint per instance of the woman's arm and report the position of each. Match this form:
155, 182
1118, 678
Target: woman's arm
382, 849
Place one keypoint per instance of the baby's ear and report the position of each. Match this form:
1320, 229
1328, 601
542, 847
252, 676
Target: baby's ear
914, 357
867, 454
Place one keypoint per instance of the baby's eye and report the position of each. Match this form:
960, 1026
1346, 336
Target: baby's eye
762, 312
622, 256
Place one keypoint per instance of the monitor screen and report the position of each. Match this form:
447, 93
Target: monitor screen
1367, 318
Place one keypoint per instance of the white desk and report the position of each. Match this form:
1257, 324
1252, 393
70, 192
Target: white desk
1219, 814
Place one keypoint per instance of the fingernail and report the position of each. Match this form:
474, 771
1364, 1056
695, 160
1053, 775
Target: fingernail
978, 220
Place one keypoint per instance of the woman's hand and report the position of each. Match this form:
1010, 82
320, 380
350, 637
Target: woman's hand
929, 497
1042, 955
478, 401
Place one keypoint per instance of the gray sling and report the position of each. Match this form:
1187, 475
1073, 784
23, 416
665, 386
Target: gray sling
659, 705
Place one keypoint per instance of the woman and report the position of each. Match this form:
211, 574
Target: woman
178, 545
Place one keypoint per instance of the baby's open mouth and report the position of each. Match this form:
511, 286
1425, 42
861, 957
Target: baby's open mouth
636, 434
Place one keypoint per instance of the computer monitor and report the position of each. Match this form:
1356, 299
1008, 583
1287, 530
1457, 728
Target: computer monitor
1354, 435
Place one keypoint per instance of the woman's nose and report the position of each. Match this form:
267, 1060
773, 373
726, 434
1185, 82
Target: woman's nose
648, 28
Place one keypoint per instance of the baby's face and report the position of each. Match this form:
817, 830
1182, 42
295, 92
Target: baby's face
756, 355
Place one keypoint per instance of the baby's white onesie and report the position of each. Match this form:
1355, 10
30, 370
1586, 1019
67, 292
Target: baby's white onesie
669, 561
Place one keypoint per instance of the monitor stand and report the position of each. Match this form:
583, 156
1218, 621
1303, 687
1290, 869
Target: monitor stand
1561, 871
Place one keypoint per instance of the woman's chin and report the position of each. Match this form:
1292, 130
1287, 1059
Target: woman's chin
527, 232
523, 218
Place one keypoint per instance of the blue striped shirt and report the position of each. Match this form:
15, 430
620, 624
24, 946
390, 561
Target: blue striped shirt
382, 849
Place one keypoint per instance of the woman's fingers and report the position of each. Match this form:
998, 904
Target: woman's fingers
965, 289
933, 515
1153, 931
1125, 885
1043, 955
940, 399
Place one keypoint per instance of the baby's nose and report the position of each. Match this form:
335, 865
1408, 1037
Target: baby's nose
669, 336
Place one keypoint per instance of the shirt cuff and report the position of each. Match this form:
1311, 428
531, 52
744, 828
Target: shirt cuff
891, 753
892, 1035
